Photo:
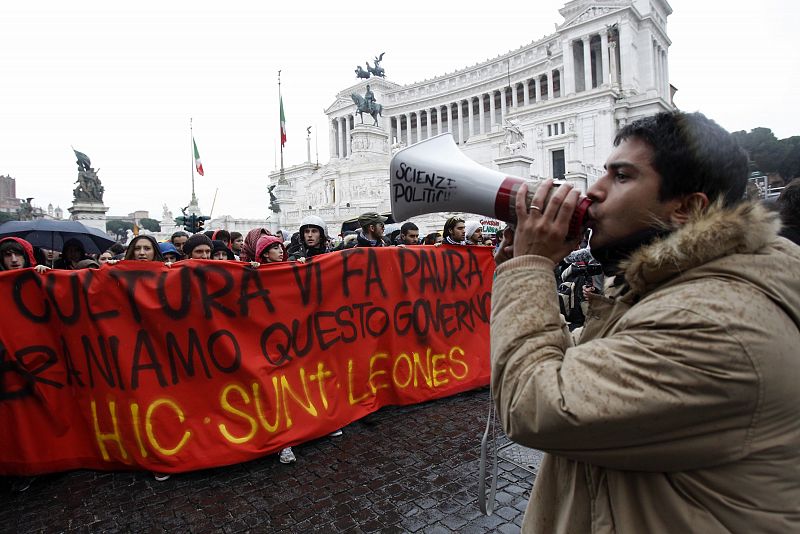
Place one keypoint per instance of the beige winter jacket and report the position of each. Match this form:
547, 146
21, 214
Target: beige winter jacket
679, 408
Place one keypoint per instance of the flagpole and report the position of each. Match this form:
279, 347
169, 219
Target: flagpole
282, 178
213, 202
191, 154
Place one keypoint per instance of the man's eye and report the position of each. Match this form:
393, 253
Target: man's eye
620, 177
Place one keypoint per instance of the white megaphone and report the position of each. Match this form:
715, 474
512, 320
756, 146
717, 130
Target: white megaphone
434, 175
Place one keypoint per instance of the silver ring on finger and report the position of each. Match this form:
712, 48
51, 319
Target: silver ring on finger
537, 208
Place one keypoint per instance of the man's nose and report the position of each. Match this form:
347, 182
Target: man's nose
597, 191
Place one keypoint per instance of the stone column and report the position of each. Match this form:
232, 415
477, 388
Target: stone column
525, 91
449, 113
430, 122
656, 69
538, 88
514, 97
613, 72
341, 137
502, 106
481, 113
626, 60
332, 138
550, 84
399, 119
471, 118
347, 147
665, 59
408, 128
568, 84
560, 82
460, 122
604, 57
413, 135
492, 111
587, 63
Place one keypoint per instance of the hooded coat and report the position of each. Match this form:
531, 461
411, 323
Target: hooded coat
27, 250
264, 242
248, 251
679, 408
62, 263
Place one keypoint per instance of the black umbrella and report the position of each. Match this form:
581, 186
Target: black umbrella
51, 234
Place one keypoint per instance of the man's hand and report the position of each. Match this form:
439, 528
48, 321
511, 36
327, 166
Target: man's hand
542, 230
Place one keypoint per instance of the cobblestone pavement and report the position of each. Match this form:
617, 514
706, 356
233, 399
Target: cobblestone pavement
402, 469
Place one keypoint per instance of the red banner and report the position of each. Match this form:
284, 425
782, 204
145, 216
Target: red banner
210, 363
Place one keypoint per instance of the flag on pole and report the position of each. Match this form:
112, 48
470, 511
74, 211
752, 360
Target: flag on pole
197, 163
283, 126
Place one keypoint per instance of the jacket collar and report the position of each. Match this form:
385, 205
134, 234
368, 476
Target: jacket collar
710, 234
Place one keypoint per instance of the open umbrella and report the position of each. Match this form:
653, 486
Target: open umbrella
51, 234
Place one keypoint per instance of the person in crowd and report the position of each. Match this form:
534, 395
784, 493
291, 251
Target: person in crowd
71, 253
198, 247
576, 277
248, 251
17, 253
178, 239
270, 249
224, 236
488, 241
105, 256
409, 234
210, 234
432, 238
349, 241
220, 250
117, 250
454, 230
372, 228
237, 240
50, 256
678, 408
789, 208
312, 239
144, 248
169, 252
473, 233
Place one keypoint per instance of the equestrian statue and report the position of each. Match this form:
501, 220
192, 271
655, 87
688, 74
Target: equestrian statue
367, 104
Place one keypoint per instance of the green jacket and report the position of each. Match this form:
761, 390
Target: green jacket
678, 410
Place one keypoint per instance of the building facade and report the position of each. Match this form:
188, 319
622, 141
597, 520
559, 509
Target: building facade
554, 104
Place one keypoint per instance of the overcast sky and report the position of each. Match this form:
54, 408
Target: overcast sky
120, 82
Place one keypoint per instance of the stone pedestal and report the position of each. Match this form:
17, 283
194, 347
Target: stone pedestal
515, 165
369, 140
92, 214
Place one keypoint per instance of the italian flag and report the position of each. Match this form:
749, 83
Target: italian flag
197, 163
283, 126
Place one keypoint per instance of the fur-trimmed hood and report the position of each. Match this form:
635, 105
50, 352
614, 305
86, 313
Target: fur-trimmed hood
739, 242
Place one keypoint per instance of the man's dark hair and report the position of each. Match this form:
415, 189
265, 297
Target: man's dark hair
235, 236
408, 226
692, 154
789, 207
450, 224
430, 239
179, 233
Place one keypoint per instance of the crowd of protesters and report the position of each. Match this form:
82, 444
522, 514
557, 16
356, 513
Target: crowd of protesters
258, 247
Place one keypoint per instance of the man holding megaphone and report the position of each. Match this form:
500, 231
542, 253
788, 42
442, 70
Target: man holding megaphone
676, 409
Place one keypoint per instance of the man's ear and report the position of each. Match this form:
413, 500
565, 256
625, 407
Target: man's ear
688, 205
